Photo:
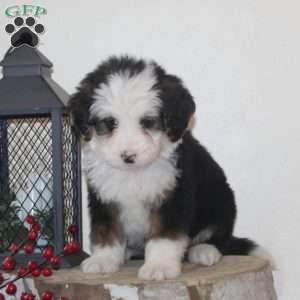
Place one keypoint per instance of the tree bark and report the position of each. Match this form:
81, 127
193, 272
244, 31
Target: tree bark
233, 278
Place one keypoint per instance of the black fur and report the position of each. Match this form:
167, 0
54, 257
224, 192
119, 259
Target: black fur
178, 104
202, 198
86, 91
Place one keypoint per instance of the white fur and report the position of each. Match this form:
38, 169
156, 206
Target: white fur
204, 254
163, 259
124, 94
202, 236
133, 190
128, 99
107, 259
136, 223
136, 186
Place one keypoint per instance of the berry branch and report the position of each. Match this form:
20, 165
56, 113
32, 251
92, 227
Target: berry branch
51, 261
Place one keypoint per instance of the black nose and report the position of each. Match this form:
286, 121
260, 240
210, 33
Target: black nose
128, 158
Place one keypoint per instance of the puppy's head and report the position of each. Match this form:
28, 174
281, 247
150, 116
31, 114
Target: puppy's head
131, 112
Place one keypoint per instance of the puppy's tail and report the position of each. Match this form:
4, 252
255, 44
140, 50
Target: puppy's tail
244, 246
238, 246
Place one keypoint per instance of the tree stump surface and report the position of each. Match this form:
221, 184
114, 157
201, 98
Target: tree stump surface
233, 278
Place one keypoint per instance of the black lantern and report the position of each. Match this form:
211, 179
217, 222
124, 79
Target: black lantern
39, 156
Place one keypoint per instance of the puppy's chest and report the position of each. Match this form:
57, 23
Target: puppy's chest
136, 222
136, 193
127, 188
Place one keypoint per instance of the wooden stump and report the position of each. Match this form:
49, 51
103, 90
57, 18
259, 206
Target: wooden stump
234, 278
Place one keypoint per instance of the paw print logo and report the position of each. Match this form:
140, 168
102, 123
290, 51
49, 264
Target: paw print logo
24, 31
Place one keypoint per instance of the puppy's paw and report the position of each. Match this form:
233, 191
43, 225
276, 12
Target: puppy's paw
204, 254
106, 259
160, 271
100, 264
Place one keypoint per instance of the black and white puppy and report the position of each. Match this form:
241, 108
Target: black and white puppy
153, 189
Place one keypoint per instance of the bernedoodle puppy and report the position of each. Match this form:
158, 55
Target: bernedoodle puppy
153, 190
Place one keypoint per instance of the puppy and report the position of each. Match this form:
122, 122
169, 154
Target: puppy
153, 190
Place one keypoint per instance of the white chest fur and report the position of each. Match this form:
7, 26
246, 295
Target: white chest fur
135, 219
136, 191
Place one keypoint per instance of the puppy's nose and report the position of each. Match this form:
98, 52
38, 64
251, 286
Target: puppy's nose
128, 158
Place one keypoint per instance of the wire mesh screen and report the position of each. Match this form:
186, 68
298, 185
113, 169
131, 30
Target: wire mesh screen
70, 177
26, 186
26, 179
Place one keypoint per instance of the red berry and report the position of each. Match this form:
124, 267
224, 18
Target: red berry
72, 247
8, 259
30, 297
22, 271
55, 260
11, 289
68, 249
47, 271
23, 296
30, 219
27, 296
28, 248
32, 235
36, 272
47, 295
72, 228
8, 263
8, 266
2, 297
32, 264
13, 247
48, 252
36, 227
63, 298
1, 279
75, 246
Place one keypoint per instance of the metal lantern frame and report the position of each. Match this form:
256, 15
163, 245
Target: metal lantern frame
27, 92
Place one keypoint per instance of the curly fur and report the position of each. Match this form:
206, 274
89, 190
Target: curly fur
168, 195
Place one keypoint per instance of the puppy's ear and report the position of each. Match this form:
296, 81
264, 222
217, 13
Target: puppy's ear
79, 109
178, 106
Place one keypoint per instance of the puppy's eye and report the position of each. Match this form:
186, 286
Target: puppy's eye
105, 126
150, 123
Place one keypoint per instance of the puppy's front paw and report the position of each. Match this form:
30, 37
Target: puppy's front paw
107, 259
204, 254
99, 264
159, 271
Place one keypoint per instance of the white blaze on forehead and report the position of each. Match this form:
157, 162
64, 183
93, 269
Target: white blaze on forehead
125, 94
128, 99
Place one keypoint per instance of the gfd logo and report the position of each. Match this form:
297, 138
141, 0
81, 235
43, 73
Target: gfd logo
25, 29
25, 10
